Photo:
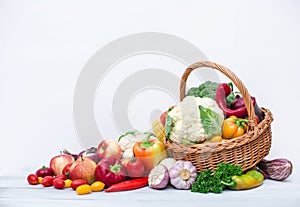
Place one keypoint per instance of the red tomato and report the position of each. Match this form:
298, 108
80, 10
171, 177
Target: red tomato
62, 177
47, 181
66, 170
58, 183
78, 182
32, 179
135, 168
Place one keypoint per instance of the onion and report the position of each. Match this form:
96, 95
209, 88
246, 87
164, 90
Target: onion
158, 177
90, 153
277, 169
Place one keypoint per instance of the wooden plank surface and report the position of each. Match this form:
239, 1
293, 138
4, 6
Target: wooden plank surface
15, 192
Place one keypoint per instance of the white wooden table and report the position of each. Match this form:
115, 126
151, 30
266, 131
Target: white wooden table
15, 192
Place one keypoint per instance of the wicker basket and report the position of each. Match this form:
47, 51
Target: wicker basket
245, 151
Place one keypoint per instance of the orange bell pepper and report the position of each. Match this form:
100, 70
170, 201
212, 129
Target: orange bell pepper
150, 152
234, 127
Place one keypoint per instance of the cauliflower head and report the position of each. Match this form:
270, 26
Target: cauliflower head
194, 120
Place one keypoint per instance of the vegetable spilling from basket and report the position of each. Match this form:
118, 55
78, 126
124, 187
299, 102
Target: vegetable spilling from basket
209, 114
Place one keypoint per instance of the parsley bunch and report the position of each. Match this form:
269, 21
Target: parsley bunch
213, 182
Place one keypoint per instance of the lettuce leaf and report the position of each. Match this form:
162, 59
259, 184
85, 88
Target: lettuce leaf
211, 122
169, 126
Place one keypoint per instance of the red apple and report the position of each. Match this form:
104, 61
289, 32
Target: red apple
83, 168
58, 163
109, 148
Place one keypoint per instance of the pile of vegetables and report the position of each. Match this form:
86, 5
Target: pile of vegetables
209, 113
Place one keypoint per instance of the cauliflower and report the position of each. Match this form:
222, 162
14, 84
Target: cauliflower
194, 120
127, 140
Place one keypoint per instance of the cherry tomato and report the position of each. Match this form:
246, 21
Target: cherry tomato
135, 168
40, 180
66, 170
58, 183
97, 186
78, 182
44, 171
68, 183
62, 177
32, 179
47, 181
83, 189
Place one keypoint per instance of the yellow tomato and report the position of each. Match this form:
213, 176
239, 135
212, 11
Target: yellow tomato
97, 186
40, 180
68, 183
216, 139
83, 189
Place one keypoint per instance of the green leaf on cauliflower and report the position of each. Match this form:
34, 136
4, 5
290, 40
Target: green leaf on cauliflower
169, 126
211, 121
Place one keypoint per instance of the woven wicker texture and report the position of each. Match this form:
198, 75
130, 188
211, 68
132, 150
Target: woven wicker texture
245, 151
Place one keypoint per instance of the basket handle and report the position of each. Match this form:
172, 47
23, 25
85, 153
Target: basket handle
237, 82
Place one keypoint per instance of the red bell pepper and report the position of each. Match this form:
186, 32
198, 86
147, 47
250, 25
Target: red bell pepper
110, 171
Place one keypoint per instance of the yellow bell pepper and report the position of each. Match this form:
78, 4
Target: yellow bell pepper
234, 127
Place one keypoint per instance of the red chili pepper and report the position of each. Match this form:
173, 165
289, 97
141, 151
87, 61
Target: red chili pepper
222, 92
129, 185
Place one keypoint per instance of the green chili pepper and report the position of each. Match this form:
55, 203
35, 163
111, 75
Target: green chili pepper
249, 180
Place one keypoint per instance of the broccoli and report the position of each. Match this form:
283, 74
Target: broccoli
208, 89
207, 181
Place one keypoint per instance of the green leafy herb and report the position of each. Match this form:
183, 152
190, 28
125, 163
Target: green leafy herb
207, 182
211, 121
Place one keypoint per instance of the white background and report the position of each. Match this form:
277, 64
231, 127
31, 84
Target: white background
45, 44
